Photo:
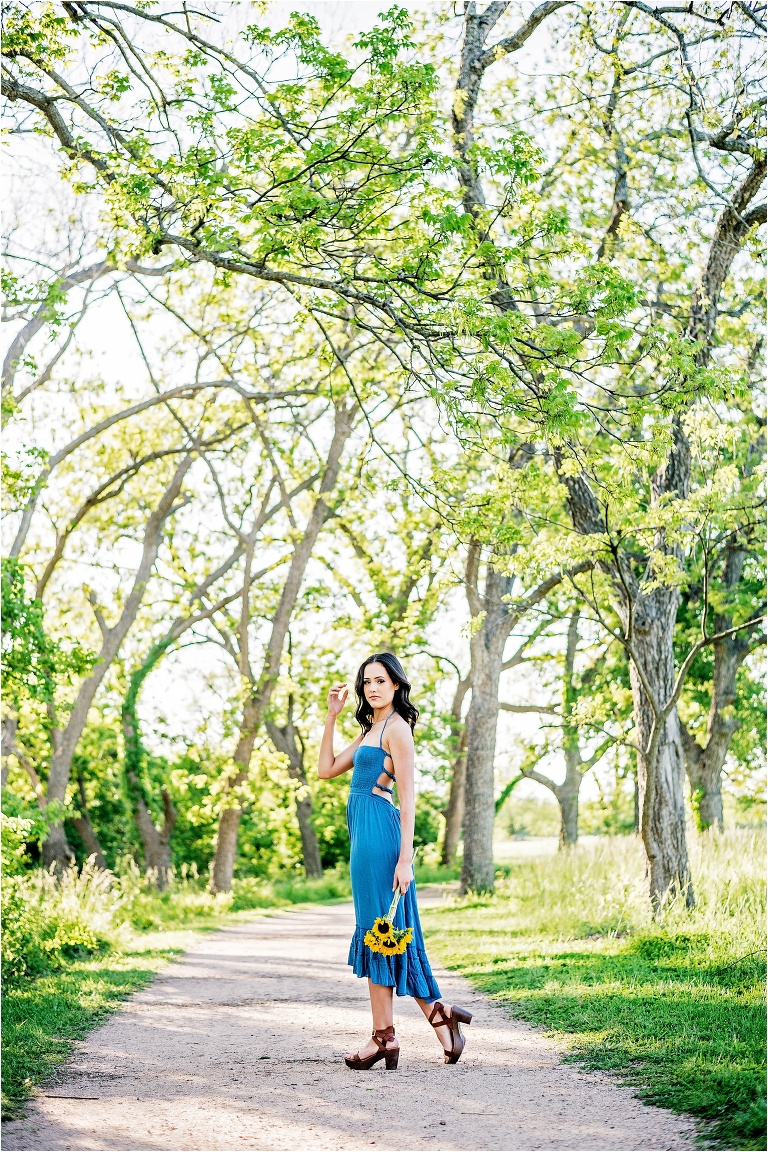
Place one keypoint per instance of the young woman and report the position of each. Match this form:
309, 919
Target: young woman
382, 849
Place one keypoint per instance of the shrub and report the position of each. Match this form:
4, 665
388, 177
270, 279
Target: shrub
49, 919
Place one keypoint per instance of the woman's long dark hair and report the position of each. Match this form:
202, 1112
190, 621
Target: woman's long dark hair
401, 701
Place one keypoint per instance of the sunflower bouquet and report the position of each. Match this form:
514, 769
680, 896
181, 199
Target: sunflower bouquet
384, 937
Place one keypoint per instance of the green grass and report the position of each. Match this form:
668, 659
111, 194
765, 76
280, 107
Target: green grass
42, 1016
188, 903
675, 1008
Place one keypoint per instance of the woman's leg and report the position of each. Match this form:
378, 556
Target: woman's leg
382, 1012
443, 1033
382, 1004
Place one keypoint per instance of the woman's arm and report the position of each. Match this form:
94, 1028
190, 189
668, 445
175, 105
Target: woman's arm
329, 765
401, 751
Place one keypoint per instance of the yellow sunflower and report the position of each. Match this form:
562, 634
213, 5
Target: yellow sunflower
389, 946
382, 928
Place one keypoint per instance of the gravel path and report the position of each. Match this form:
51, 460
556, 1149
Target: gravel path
237, 1045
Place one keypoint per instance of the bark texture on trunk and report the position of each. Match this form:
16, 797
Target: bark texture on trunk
568, 799
661, 761
226, 850
704, 767
313, 865
85, 829
487, 656
477, 873
89, 838
56, 851
225, 853
568, 792
156, 842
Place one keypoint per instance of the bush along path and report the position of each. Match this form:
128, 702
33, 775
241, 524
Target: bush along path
239, 1044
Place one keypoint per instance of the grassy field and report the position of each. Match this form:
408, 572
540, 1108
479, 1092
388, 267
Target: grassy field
676, 1008
42, 1016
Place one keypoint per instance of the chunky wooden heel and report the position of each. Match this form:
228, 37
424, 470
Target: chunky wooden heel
439, 1018
388, 1051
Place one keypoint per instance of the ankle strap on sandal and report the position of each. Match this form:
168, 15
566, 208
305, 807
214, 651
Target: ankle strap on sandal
438, 1010
381, 1036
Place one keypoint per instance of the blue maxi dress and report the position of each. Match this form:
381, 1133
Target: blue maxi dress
374, 833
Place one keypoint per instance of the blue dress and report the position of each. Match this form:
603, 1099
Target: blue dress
374, 833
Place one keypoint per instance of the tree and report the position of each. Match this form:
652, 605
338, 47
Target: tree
156, 841
496, 611
55, 849
648, 611
353, 209
259, 685
569, 723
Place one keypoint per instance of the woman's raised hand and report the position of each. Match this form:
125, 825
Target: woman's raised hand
337, 698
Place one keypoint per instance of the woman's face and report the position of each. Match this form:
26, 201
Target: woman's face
379, 689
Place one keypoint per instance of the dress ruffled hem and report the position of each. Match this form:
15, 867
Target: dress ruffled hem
409, 974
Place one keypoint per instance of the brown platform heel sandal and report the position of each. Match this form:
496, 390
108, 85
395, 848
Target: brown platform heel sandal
457, 1017
389, 1055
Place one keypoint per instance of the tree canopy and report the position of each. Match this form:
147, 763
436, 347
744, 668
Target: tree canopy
444, 338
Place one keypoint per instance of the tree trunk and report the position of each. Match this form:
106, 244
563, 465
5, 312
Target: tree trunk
705, 764
487, 659
287, 739
487, 650
56, 851
225, 852
313, 865
661, 766
90, 840
454, 813
156, 842
705, 777
568, 792
10, 723
568, 799
85, 829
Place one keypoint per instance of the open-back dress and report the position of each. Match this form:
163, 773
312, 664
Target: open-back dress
374, 833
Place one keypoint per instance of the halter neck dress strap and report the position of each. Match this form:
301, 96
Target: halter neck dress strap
386, 771
381, 736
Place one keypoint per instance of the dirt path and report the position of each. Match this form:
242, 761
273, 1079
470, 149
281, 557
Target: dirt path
237, 1045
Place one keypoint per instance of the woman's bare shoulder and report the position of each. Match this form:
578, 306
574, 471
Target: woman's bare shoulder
399, 728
